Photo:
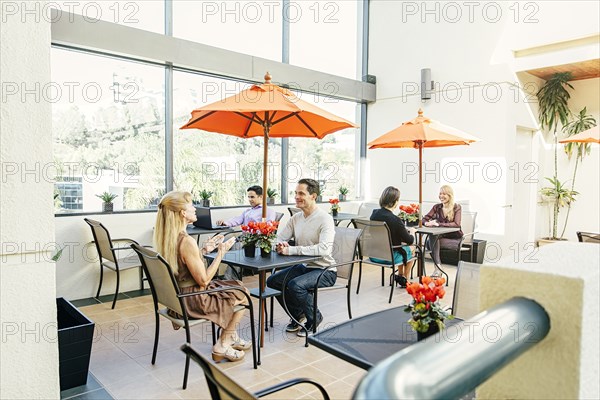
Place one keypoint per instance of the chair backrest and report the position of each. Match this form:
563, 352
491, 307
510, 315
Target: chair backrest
366, 209
293, 210
588, 237
221, 386
102, 239
375, 241
161, 278
467, 225
278, 216
465, 303
345, 247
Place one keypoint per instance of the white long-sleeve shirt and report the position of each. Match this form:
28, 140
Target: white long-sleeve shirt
313, 236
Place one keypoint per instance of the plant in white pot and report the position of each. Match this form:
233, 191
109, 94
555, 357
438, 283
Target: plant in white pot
107, 201
553, 98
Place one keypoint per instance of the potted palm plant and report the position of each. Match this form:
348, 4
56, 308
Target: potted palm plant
107, 201
343, 193
553, 98
271, 194
580, 123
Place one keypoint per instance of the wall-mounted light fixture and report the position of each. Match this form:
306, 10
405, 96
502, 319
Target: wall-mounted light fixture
426, 84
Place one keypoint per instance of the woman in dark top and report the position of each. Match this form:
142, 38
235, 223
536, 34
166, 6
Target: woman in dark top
445, 214
400, 236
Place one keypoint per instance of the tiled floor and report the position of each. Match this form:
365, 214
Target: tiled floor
122, 349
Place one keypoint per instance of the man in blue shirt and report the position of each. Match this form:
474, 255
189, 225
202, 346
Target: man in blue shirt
253, 214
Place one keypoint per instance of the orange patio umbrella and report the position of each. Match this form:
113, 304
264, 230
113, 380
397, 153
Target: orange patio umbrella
266, 110
592, 135
418, 133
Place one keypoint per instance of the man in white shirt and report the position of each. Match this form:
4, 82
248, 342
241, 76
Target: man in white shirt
313, 231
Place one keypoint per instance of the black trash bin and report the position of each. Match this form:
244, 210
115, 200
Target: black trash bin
75, 336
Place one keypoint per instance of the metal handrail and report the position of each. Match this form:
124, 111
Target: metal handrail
460, 358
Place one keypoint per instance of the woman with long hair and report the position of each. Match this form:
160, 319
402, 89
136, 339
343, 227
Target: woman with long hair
445, 214
390, 197
175, 212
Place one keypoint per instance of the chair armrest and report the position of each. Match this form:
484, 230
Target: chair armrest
290, 383
463, 238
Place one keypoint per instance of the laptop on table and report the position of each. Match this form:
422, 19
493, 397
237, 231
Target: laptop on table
204, 220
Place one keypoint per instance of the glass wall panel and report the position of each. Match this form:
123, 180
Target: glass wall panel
141, 14
223, 164
324, 36
108, 129
245, 26
332, 160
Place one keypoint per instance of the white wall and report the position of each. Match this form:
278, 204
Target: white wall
29, 353
474, 92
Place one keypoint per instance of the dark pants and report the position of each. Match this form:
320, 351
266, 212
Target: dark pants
299, 281
441, 242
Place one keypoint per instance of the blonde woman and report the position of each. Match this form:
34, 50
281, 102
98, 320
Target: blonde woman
175, 212
445, 214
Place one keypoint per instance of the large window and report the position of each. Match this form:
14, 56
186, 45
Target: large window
141, 14
108, 129
324, 36
223, 164
244, 26
332, 160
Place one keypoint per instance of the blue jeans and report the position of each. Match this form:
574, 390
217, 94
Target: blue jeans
300, 280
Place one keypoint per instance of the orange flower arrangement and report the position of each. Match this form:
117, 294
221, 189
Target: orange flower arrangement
409, 213
263, 234
425, 308
335, 204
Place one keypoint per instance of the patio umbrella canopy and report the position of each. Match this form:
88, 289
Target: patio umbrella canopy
418, 133
266, 110
592, 135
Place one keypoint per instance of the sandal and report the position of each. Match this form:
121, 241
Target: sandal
241, 344
230, 354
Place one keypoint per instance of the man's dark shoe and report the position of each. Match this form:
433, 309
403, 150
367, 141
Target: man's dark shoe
309, 326
293, 326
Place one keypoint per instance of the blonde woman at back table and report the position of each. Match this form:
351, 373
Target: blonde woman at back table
445, 214
175, 212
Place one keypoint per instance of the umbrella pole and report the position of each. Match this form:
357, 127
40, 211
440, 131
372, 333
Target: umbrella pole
265, 158
420, 185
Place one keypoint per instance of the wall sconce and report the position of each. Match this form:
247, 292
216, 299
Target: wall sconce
426, 84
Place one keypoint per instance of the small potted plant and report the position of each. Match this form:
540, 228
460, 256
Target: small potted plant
343, 193
248, 238
107, 201
335, 206
205, 195
271, 194
266, 233
427, 314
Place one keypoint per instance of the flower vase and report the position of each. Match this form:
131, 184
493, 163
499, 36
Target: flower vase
433, 329
250, 250
334, 213
265, 253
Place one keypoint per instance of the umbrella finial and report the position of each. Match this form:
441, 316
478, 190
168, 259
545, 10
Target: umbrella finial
420, 112
267, 77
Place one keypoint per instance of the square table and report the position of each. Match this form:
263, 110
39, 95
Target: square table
369, 339
434, 231
261, 265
